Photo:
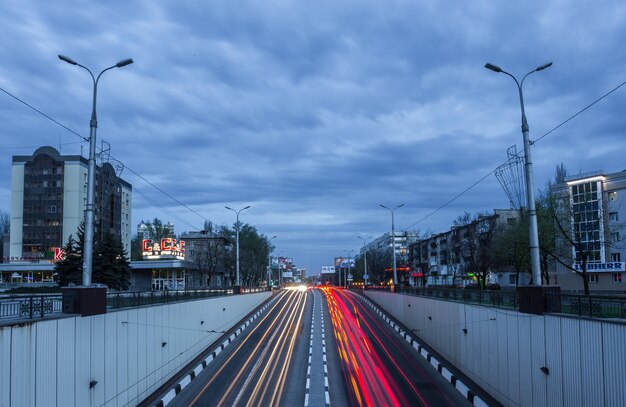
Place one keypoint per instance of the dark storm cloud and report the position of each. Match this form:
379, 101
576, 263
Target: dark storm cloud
316, 113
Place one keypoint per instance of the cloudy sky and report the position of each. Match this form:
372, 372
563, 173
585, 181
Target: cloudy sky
314, 113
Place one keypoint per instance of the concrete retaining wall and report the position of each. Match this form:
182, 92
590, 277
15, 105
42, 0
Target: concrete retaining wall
521, 359
115, 359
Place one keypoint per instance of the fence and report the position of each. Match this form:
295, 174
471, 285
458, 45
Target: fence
593, 306
39, 306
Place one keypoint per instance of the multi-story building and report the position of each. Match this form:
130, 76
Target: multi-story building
205, 253
441, 258
49, 196
595, 209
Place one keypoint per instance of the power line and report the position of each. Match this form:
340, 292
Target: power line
533, 142
87, 140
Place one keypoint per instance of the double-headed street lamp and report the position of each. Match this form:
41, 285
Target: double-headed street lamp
364, 259
237, 228
393, 241
91, 175
528, 166
345, 277
269, 260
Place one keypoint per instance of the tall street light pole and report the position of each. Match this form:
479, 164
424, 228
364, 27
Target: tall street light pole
528, 166
364, 259
269, 261
393, 241
345, 277
91, 174
237, 228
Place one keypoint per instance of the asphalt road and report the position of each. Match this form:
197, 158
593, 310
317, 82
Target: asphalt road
314, 348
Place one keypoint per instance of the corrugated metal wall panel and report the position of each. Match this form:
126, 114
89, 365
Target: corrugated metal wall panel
142, 337
150, 350
45, 365
23, 365
122, 357
110, 360
5, 365
592, 371
133, 348
82, 362
513, 361
97, 359
501, 352
614, 349
554, 396
571, 361
66, 360
538, 359
525, 365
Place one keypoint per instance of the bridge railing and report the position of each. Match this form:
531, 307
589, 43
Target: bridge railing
30, 306
500, 299
593, 306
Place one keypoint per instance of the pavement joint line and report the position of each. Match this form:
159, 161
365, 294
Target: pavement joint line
177, 388
458, 384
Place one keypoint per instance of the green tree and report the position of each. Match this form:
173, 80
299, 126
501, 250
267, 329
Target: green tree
110, 265
70, 268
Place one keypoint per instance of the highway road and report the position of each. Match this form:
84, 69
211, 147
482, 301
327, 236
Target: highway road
315, 348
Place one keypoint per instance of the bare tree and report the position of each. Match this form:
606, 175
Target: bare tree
477, 234
5, 225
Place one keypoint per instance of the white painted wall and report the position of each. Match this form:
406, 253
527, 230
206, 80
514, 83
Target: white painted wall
74, 197
503, 350
51, 363
17, 210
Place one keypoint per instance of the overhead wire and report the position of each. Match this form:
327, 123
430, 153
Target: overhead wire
519, 155
87, 140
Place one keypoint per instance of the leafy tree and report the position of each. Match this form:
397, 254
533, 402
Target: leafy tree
254, 249
476, 241
377, 261
70, 268
511, 247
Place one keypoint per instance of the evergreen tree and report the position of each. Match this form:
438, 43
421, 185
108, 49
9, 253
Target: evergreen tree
70, 269
110, 266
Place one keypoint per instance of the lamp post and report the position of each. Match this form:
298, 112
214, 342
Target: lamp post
345, 277
269, 261
528, 166
364, 259
237, 228
393, 241
91, 171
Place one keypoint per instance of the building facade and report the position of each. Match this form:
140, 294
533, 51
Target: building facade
595, 206
48, 200
440, 258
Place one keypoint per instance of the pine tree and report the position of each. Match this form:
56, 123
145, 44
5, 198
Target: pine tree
70, 269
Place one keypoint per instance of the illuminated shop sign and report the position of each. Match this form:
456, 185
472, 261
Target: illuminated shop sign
167, 248
602, 267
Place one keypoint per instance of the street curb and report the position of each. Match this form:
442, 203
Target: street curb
441, 368
184, 382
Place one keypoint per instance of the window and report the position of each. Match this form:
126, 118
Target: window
614, 237
613, 217
617, 277
593, 278
616, 257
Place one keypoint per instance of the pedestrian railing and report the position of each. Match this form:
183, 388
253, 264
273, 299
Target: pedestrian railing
30, 306
593, 306
24, 306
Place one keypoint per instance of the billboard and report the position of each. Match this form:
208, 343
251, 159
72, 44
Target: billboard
343, 262
328, 269
167, 248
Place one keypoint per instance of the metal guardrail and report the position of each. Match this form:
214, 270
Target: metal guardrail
499, 299
593, 306
29, 306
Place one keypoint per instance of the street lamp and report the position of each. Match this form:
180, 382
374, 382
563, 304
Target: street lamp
237, 228
269, 260
345, 277
393, 241
364, 259
91, 174
530, 194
